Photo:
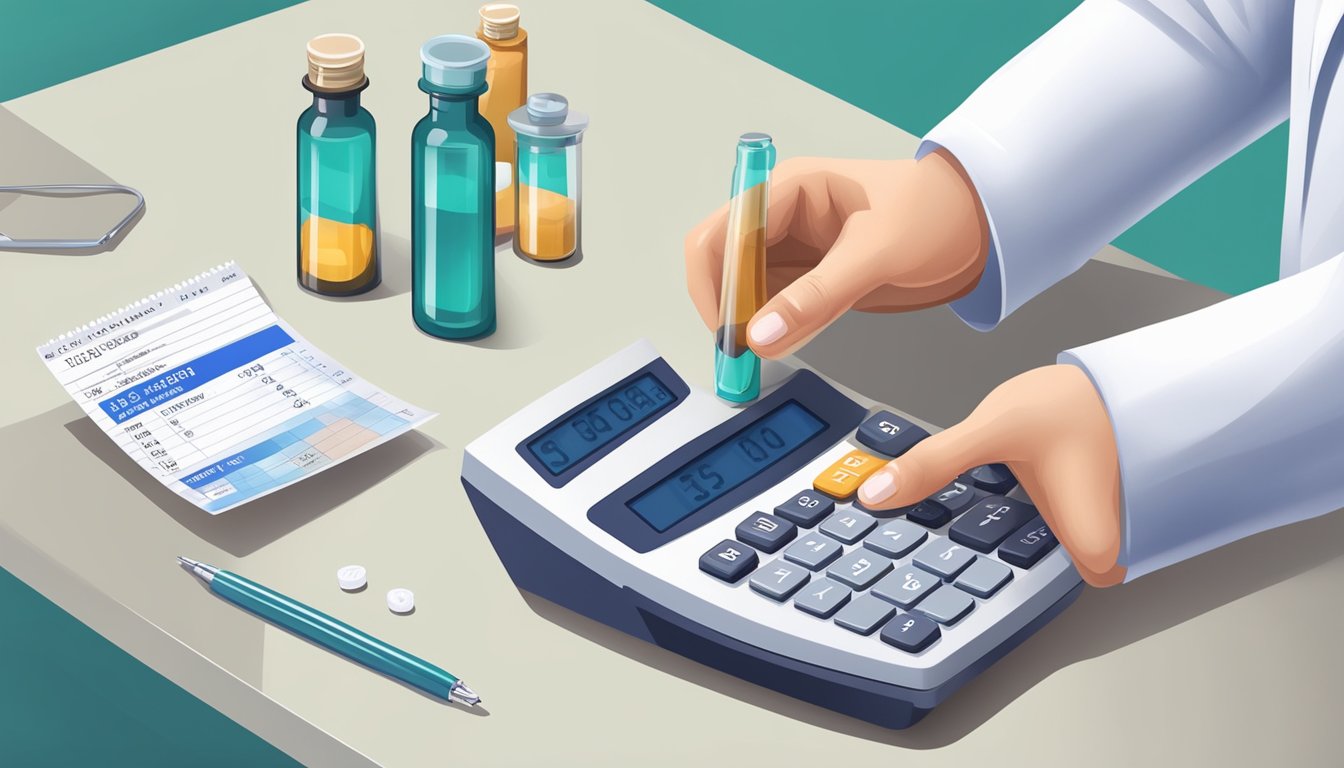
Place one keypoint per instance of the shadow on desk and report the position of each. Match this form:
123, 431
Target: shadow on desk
255, 524
46, 450
932, 366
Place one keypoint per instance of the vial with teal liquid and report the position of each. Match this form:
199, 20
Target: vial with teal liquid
453, 195
737, 369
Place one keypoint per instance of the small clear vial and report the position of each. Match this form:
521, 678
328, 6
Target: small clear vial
548, 200
337, 190
737, 369
453, 195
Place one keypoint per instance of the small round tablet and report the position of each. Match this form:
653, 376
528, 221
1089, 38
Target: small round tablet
400, 600
352, 577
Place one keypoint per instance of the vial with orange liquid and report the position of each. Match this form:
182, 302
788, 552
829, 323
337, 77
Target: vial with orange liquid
506, 78
547, 190
337, 195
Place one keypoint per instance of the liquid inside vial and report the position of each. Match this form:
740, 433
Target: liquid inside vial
743, 271
547, 223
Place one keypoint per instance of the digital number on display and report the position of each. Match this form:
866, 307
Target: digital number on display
727, 465
605, 418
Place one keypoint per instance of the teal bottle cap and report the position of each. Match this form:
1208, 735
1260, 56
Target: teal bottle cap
455, 63
547, 115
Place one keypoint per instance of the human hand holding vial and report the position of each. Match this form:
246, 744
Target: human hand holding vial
737, 369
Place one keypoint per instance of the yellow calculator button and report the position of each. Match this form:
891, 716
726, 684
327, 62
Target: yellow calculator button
844, 477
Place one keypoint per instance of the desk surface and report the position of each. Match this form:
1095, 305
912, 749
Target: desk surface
1229, 657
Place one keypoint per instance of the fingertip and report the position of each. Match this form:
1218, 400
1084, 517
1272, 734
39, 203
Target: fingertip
877, 491
766, 328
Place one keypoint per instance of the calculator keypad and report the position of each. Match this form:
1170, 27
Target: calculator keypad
913, 577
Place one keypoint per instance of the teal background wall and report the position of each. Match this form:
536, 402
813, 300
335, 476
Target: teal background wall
910, 62
44, 42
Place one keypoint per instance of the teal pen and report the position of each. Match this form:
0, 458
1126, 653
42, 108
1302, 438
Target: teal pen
332, 634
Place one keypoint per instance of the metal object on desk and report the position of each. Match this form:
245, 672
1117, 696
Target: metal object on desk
8, 243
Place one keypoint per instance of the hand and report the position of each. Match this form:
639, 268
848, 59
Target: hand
1050, 427
878, 235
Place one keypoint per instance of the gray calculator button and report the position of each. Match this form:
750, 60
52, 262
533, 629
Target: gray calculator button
778, 579
906, 586
859, 569
864, 614
984, 577
947, 606
896, 539
814, 551
945, 558
822, 598
848, 525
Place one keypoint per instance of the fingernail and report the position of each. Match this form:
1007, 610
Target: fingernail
768, 329
879, 487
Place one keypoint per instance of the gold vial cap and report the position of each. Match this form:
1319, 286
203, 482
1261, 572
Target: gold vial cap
499, 21
335, 62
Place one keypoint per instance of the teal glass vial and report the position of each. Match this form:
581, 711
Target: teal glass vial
737, 369
453, 195
337, 193
547, 193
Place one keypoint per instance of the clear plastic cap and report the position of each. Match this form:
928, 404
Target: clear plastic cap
455, 62
547, 115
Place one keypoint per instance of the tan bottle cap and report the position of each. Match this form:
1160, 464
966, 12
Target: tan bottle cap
499, 21
335, 62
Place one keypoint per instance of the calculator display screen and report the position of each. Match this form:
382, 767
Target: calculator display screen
727, 465
599, 421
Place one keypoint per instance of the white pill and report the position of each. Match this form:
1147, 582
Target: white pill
352, 577
400, 600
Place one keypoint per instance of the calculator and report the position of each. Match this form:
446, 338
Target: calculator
732, 536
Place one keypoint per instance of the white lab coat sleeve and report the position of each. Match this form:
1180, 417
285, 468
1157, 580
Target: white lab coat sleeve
1111, 112
1228, 420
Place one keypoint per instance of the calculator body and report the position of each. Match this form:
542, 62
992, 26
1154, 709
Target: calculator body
642, 527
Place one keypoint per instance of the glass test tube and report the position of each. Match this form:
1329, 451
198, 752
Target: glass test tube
737, 369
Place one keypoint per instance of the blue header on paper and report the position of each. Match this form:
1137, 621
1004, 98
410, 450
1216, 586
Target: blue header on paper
135, 400
246, 457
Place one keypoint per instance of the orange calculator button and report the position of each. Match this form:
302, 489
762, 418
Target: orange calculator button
843, 478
